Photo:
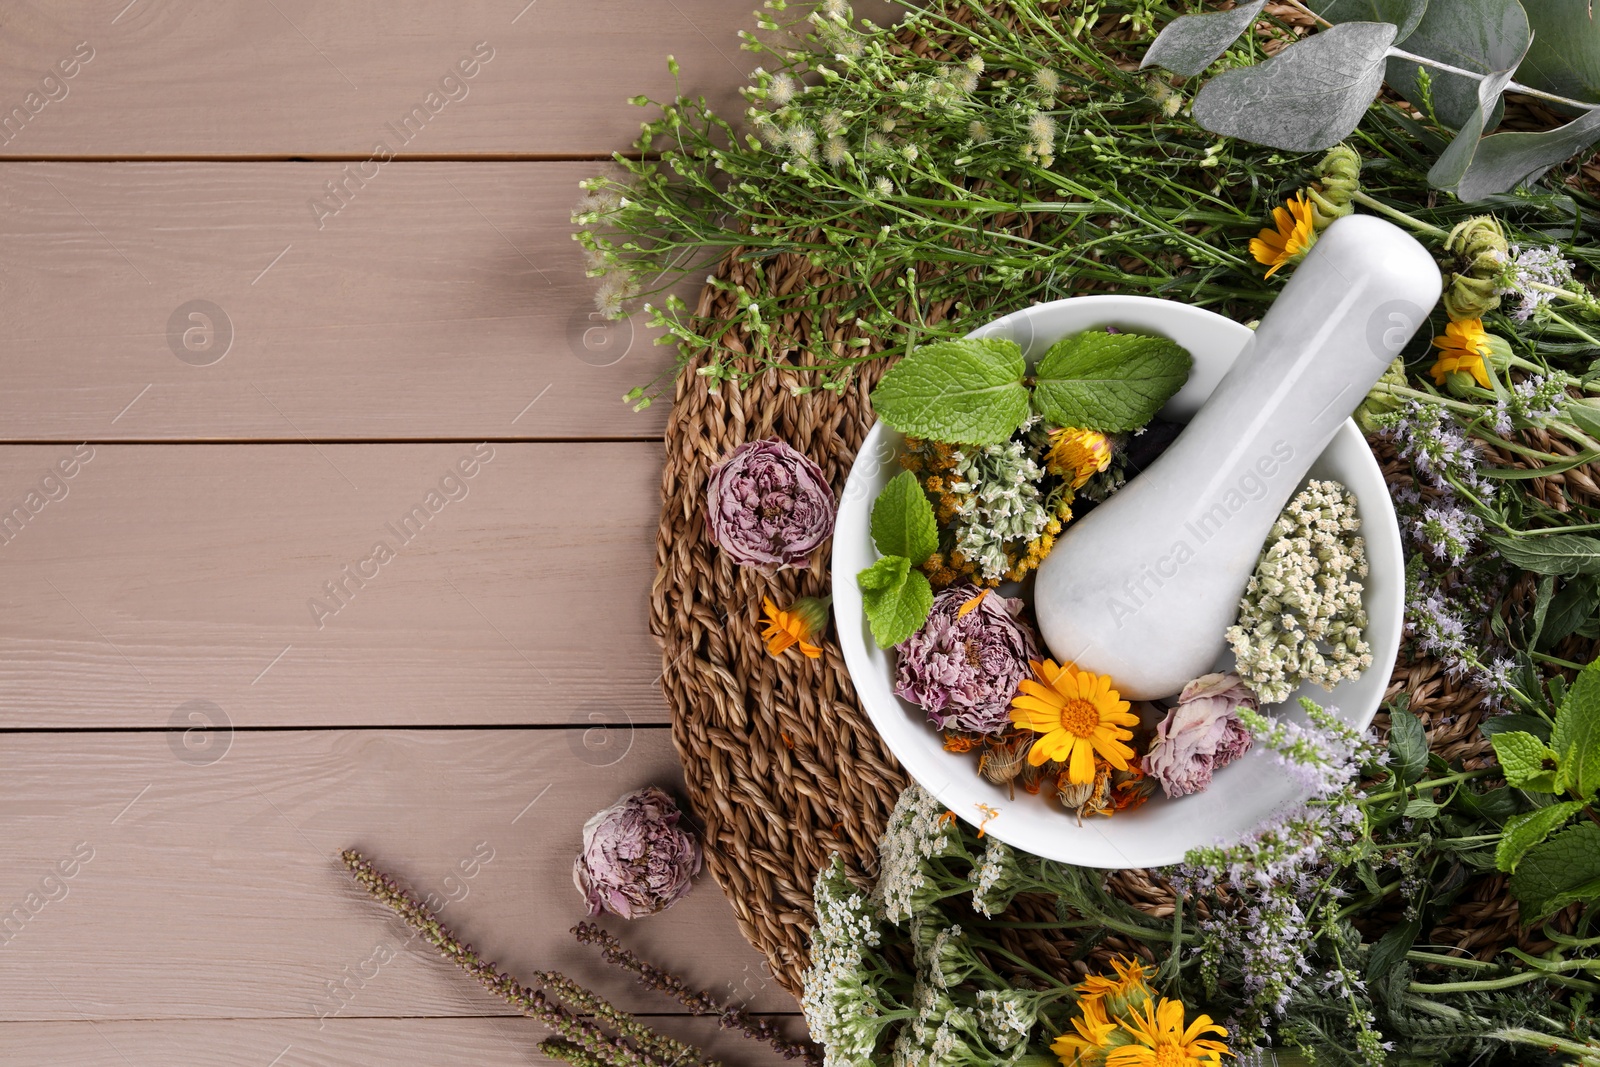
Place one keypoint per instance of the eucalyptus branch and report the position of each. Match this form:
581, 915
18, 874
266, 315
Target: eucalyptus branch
1513, 86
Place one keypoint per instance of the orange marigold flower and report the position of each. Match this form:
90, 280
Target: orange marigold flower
1078, 455
1078, 716
785, 629
1292, 238
1462, 347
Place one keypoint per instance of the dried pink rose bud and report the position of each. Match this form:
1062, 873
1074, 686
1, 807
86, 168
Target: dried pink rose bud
635, 861
1201, 734
769, 506
963, 666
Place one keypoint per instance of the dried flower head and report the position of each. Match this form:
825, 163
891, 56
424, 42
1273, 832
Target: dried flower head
635, 860
806, 618
963, 666
1078, 455
769, 506
1201, 734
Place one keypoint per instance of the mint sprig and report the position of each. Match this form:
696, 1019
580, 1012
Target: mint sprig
975, 391
898, 597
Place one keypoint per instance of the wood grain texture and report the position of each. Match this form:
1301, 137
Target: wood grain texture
298, 78
213, 890
164, 574
481, 1042
443, 300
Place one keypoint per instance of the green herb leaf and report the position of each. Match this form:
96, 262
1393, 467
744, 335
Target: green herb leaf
1576, 737
897, 610
1556, 554
1573, 606
1191, 43
888, 571
1504, 724
1527, 830
1391, 948
1111, 382
1564, 869
1420, 809
902, 520
1408, 745
1523, 757
966, 392
1507, 160
1482, 36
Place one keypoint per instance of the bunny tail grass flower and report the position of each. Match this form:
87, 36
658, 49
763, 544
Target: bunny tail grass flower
1292, 238
581, 1041
1077, 715
699, 1003
805, 618
635, 860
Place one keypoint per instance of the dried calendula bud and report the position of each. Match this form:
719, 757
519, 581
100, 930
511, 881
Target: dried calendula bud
1338, 178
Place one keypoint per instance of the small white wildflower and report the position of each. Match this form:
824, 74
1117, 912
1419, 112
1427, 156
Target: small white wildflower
1048, 81
781, 90
835, 153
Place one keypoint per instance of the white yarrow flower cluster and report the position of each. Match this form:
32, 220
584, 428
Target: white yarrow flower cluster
994, 879
841, 1006
917, 832
1000, 502
1301, 618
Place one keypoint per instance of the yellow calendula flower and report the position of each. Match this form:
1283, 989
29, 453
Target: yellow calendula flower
1078, 455
1125, 990
1462, 348
1087, 1046
1295, 233
1161, 1040
1078, 715
786, 629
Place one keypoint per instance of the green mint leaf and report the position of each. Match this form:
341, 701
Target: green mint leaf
1504, 724
1528, 830
898, 610
1408, 746
1391, 949
1564, 869
1111, 382
966, 392
902, 520
1557, 554
1523, 757
888, 571
1576, 737
1420, 809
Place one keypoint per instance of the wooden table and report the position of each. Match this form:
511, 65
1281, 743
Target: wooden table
284, 282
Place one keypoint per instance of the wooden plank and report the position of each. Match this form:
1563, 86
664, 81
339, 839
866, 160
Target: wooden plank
298, 78
214, 891
483, 1042
164, 574
203, 301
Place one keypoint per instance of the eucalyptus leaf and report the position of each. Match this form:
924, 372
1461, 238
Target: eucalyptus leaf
1457, 159
1565, 57
1478, 35
1191, 43
1308, 97
1403, 13
1508, 160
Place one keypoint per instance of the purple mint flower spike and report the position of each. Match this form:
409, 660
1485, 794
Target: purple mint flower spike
768, 506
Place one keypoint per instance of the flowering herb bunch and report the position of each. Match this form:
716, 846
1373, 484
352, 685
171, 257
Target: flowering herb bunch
1312, 935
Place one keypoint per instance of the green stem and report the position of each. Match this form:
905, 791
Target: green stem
1575, 328
1465, 963
1516, 1035
1510, 981
1398, 216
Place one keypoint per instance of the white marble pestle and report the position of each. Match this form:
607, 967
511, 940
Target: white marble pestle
1143, 587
